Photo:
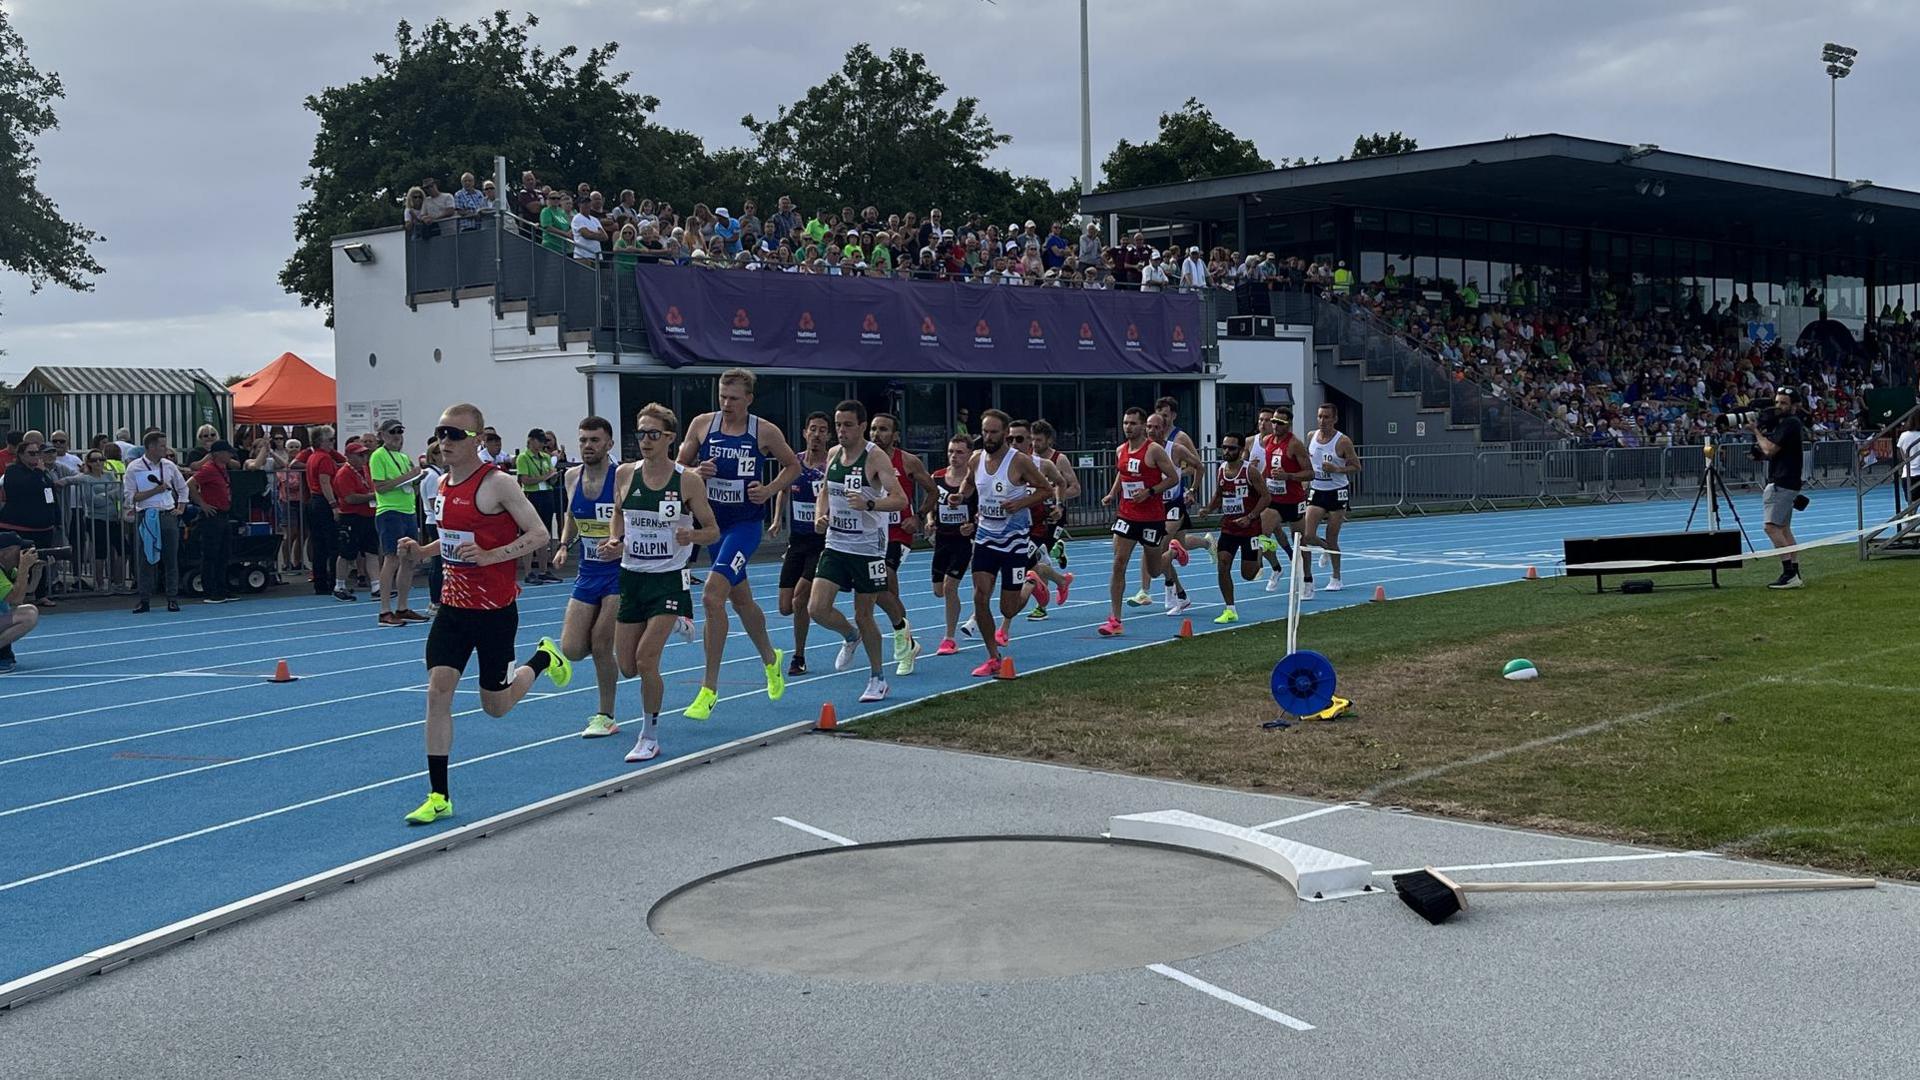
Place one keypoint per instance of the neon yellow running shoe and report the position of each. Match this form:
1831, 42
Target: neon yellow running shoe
1227, 616
600, 725
436, 807
703, 703
559, 668
1139, 599
776, 677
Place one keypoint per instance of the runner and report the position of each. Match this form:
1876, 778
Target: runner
1333, 459
486, 524
1008, 482
587, 628
1045, 562
951, 521
884, 430
794, 511
663, 513
1257, 454
1239, 494
1142, 474
855, 522
1183, 458
1287, 470
729, 449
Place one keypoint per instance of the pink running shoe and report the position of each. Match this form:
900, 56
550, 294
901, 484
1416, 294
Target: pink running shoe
1000, 637
1061, 598
947, 648
1111, 628
1179, 552
987, 670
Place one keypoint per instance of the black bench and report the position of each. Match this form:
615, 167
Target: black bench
1679, 550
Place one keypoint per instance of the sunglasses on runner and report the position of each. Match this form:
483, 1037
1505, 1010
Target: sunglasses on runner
448, 433
650, 434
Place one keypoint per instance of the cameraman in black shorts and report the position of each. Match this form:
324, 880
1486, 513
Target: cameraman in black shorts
1780, 444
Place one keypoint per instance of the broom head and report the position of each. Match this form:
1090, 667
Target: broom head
1432, 895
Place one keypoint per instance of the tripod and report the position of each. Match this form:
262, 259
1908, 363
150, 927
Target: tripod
1713, 489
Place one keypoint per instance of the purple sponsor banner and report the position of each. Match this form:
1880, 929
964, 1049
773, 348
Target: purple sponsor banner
773, 320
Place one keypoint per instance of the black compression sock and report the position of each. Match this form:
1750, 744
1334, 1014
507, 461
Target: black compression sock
899, 626
539, 661
1179, 592
437, 772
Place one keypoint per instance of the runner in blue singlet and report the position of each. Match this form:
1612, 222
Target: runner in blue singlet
589, 623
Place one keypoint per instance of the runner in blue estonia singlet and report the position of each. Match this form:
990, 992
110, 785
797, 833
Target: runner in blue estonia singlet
599, 578
737, 462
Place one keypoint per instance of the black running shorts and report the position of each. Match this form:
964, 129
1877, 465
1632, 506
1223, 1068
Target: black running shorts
1334, 501
803, 554
458, 633
951, 554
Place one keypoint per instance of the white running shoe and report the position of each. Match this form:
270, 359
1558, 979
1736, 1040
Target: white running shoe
684, 627
876, 689
1322, 560
1306, 590
1273, 580
1333, 585
903, 665
1179, 605
971, 628
844, 658
645, 750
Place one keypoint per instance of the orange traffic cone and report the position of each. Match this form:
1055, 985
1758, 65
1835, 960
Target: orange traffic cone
1379, 594
1533, 574
828, 720
1006, 668
1186, 628
281, 674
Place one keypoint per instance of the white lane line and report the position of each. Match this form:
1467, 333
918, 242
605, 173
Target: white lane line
823, 834
1322, 812
1637, 857
1230, 997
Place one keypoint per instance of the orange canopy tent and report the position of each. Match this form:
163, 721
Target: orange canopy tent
287, 391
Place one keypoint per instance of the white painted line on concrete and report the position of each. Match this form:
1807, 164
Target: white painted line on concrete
1639, 857
1322, 812
1230, 997
823, 834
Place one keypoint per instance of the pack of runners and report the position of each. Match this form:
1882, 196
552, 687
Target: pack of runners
852, 503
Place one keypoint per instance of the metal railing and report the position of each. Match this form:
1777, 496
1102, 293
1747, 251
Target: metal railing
1892, 474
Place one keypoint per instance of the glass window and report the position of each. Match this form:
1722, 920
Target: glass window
1060, 405
1449, 227
929, 418
1424, 266
1450, 270
1102, 420
1476, 272
1373, 265
818, 395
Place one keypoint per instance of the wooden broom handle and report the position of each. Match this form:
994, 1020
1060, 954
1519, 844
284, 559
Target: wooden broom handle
1665, 886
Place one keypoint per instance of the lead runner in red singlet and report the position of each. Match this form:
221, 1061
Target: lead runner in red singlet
486, 524
1142, 474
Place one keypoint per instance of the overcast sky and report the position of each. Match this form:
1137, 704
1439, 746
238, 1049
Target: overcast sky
182, 137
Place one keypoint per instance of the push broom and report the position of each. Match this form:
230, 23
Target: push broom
1436, 897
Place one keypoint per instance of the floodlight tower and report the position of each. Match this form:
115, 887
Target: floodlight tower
1839, 61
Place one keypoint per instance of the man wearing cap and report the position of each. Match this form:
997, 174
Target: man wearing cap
157, 492
1153, 275
212, 491
1193, 272
395, 508
353, 506
727, 229
19, 572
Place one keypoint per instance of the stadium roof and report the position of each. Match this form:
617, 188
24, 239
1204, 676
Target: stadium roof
1562, 180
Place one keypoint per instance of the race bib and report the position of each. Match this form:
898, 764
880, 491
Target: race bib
952, 515
1132, 489
1173, 512
992, 509
847, 522
686, 578
647, 537
594, 530
726, 492
1233, 505
804, 511
877, 570
451, 540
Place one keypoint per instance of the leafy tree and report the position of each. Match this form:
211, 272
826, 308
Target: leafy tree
1192, 145
1378, 145
35, 241
451, 98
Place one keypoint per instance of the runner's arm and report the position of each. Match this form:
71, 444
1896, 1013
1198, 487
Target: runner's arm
1213, 501
1169, 476
967, 490
773, 443
922, 481
823, 503
690, 446
617, 531
533, 532
1028, 472
1072, 477
706, 530
880, 472
1349, 454
780, 500
569, 529
1304, 474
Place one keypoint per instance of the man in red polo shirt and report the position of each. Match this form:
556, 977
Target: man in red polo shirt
212, 491
353, 501
323, 533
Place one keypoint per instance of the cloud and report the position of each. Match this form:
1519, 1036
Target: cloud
222, 342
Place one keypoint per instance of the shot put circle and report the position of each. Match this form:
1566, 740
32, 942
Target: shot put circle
972, 909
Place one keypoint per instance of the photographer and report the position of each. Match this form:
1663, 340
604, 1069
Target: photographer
1780, 444
19, 572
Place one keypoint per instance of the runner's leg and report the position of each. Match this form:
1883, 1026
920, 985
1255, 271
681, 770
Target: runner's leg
1117, 584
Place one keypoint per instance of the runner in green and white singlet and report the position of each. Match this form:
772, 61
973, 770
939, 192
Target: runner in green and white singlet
663, 514
862, 488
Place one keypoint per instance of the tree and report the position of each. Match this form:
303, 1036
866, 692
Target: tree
876, 133
35, 241
1192, 145
1378, 145
452, 98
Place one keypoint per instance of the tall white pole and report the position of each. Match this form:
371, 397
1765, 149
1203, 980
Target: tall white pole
1833, 128
1086, 110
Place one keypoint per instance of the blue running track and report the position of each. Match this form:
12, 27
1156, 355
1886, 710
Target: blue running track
148, 773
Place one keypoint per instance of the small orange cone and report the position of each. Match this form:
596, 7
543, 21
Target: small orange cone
828, 720
1186, 628
1006, 668
1533, 574
281, 674
1379, 594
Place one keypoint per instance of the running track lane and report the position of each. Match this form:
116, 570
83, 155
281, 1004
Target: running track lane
136, 793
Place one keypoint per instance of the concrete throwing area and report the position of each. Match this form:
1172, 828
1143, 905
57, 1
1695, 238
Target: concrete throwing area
530, 954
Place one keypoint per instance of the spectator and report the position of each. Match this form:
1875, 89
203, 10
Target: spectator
157, 492
1153, 276
750, 218
626, 212
290, 508
489, 194
962, 424
587, 235
528, 202
1907, 460
535, 468
627, 241
20, 572
556, 224
121, 438
11, 450
359, 543
439, 205
212, 491
61, 460
582, 195
395, 511
929, 234
323, 532
490, 450
1054, 248
1193, 271
204, 439
419, 226
785, 223
28, 505
470, 203
726, 230
99, 498
1091, 249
